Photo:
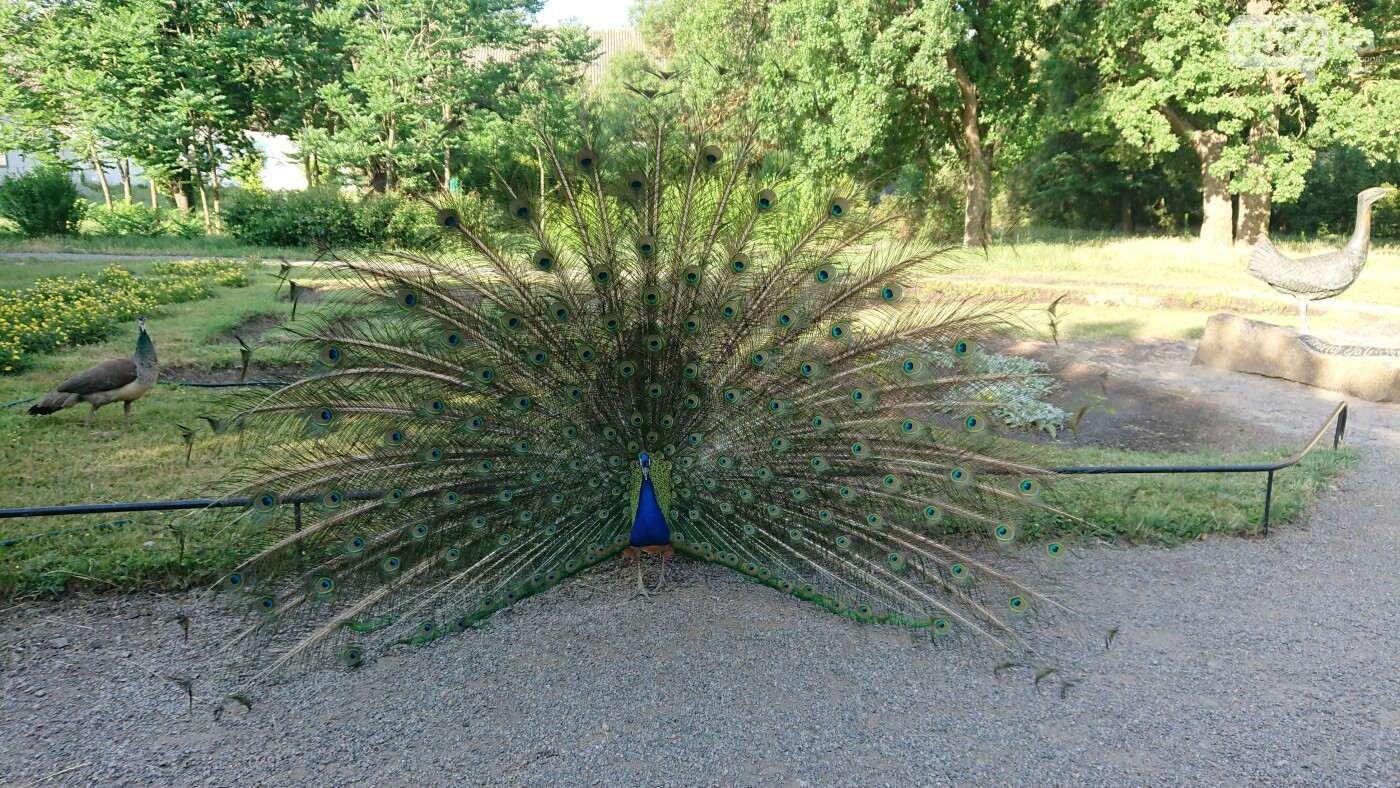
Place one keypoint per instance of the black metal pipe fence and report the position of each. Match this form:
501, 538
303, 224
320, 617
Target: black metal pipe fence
1337, 417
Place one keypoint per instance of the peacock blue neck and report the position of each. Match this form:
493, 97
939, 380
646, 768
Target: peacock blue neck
649, 527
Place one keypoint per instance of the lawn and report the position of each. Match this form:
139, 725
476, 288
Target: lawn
53, 460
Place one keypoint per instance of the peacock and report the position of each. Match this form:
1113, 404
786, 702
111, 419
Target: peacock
657, 345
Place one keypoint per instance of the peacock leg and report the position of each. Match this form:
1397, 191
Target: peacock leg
126, 409
1303, 312
636, 555
667, 553
87, 422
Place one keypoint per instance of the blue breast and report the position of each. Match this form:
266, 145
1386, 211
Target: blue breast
649, 526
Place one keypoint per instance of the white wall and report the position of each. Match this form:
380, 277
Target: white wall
280, 172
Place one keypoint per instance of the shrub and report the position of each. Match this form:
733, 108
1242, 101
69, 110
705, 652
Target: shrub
126, 219
138, 219
322, 216
43, 201
313, 217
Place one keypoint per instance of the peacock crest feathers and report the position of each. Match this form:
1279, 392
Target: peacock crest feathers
817, 418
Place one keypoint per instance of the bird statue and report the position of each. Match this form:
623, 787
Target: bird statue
123, 380
665, 349
1318, 276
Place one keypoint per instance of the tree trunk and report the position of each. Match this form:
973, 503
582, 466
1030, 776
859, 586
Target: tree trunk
977, 204
155, 193
1125, 207
1217, 207
214, 187
182, 193
124, 167
204, 203
1257, 204
101, 177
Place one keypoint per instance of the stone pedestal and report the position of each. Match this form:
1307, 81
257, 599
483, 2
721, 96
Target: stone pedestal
1241, 345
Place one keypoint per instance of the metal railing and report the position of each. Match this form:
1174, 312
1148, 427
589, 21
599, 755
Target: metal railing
1338, 417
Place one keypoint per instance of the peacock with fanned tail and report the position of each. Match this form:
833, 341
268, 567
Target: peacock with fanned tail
667, 350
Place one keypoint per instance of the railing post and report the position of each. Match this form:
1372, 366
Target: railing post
1268, 499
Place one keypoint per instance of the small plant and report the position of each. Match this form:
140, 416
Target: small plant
43, 201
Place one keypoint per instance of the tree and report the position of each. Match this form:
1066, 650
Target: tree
865, 88
430, 85
1163, 74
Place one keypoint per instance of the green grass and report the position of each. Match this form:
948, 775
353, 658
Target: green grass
1175, 508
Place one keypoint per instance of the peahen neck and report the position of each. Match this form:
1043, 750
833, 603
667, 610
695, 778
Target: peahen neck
649, 527
1361, 238
145, 350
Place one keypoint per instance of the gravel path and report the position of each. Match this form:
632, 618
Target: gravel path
1239, 662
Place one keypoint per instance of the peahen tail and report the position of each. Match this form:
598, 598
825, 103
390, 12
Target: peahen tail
814, 415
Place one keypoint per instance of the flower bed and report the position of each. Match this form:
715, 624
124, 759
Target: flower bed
61, 312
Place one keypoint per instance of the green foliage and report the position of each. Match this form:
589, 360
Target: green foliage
415, 105
1142, 79
1328, 202
863, 90
60, 312
327, 217
1074, 181
41, 202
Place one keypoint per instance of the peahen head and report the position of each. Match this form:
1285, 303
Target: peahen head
1371, 196
145, 348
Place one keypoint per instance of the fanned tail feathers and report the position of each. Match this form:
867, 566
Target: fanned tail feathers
471, 430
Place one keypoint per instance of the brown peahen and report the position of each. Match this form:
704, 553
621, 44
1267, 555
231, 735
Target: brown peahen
667, 347
123, 380
1318, 276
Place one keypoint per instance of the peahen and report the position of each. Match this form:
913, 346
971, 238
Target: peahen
123, 380
664, 348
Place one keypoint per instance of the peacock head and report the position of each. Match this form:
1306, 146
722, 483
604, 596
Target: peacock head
1374, 194
141, 323
644, 460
